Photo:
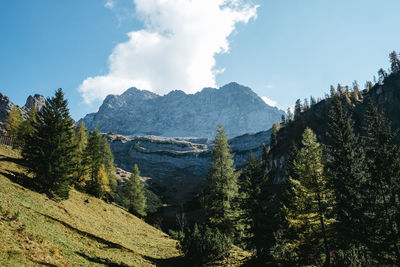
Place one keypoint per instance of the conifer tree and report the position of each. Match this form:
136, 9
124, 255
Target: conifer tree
309, 211
297, 109
80, 169
48, 150
384, 187
222, 186
395, 62
13, 123
134, 193
347, 177
98, 156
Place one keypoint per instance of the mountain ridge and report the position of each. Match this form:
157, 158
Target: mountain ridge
177, 114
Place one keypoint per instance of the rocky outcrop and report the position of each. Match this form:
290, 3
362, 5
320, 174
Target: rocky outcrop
139, 112
37, 101
6, 105
178, 166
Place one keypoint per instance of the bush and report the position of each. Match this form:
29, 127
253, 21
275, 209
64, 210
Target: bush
204, 244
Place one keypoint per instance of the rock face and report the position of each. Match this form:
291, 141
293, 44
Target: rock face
138, 112
37, 101
178, 166
6, 105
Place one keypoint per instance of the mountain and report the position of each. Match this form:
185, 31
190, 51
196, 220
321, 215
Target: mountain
176, 114
6, 105
178, 166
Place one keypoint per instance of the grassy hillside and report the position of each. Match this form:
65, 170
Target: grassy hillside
81, 231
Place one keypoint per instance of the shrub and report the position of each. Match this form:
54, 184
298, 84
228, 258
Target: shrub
204, 244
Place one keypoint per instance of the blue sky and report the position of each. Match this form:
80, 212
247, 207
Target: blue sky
293, 49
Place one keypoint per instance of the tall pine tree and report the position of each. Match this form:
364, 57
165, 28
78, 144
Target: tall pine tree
222, 186
384, 187
347, 175
49, 149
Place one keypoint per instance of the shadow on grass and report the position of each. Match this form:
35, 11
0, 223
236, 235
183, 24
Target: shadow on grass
96, 238
21, 179
44, 263
178, 261
104, 261
13, 160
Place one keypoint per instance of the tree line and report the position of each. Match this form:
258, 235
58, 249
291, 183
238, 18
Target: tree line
60, 156
339, 204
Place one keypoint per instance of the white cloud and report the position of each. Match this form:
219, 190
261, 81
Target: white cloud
175, 50
269, 101
109, 4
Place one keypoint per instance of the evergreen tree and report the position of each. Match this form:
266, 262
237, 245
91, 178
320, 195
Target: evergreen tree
134, 194
289, 115
347, 177
80, 169
333, 91
222, 186
309, 211
48, 150
274, 135
384, 188
297, 109
395, 62
13, 123
251, 184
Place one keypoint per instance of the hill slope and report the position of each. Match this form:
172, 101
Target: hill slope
81, 231
140, 112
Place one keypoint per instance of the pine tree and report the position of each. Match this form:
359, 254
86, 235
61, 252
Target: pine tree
80, 168
13, 123
297, 109
222, 186
395, 62
347, 177
289, 115
384, 187
136, 200
48, 150
274, 135
309, 211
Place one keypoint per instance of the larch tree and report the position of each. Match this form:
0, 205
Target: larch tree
134, 193
80, 168
13, 123
222, 186
98, 156
309, 211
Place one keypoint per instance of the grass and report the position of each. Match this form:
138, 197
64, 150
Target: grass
80, 231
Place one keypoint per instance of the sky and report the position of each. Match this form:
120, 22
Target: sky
283, 50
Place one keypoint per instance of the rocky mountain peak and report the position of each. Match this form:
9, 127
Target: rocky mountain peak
37, 101
177, 114
5, 106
